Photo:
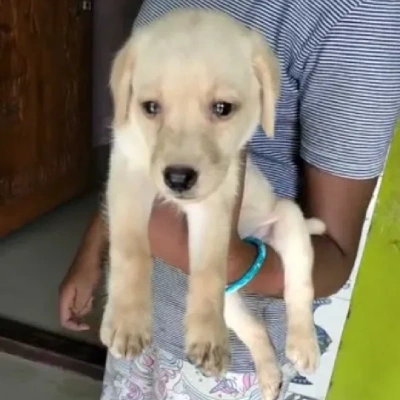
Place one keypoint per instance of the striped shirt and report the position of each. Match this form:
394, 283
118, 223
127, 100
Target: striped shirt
340, 99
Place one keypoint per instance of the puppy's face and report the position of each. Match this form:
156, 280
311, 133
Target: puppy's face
196, 85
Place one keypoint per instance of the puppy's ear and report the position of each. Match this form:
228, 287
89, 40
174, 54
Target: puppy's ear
266, 68
120, 82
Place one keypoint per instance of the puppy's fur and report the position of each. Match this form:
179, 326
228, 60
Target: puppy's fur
182, 64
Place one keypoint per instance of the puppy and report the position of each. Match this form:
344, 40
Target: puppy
189, 90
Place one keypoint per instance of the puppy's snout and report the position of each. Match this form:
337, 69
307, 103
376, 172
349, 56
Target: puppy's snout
180, 178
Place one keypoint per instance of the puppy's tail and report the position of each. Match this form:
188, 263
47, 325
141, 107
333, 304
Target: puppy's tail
315, 226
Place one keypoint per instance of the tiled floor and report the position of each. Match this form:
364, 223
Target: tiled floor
24, 380
34, 260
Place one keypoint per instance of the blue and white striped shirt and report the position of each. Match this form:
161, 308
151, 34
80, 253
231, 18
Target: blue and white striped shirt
340, 99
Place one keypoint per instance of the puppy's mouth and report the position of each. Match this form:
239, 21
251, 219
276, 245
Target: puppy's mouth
184, 196
193, 196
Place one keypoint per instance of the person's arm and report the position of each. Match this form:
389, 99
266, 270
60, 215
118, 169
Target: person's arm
341, 203
83, 277
350, 101
93, 244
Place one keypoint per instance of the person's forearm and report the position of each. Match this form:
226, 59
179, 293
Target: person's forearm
331, 266
93, 243
331, 269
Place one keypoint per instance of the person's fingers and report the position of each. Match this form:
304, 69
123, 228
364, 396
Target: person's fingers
65, 304
69, 318
75, 325
84, 305
74, 303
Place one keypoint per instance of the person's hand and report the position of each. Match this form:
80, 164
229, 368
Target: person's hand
76, 291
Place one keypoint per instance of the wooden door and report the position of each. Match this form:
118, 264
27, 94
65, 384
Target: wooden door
45, 106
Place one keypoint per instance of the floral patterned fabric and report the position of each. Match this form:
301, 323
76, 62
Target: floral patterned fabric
157, 375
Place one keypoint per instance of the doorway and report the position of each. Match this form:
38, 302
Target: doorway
54, 118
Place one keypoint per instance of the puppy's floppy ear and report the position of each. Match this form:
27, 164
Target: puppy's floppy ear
266, 68
120, 82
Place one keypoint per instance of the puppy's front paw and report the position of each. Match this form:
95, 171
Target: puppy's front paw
270, 380
302, 348
207, 344
126, 333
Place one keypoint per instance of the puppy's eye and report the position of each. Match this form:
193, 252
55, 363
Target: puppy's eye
222, 109
151, 108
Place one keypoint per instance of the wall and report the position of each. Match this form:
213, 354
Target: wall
112, 23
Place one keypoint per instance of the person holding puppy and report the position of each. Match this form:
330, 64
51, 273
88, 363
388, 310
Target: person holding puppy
340, 98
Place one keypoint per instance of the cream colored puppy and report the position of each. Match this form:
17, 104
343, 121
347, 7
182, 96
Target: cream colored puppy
189, 90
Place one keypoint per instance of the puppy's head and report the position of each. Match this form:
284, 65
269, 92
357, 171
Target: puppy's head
195, 85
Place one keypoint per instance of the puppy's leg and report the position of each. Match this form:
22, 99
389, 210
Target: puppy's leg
254, 335
290, 237
126, 327
206, 333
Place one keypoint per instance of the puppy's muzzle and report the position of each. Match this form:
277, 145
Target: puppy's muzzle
180, 178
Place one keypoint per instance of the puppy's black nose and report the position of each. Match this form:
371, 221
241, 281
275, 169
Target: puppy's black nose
180, 178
